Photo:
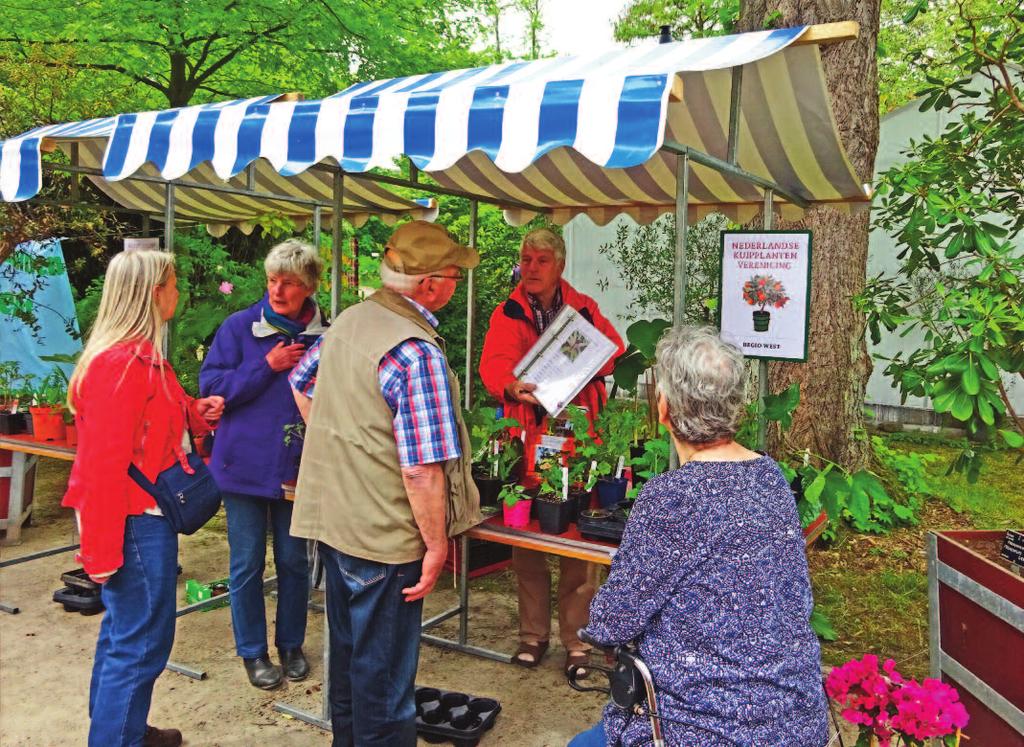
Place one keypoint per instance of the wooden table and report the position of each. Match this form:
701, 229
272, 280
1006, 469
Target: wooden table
25, 450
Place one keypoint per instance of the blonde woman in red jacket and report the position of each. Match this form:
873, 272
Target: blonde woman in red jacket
514, 328
130, 408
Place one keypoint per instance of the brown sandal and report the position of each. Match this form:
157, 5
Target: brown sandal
580, 659
535, 651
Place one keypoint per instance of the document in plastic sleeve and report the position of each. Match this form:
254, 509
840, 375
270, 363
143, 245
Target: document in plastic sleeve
567, 356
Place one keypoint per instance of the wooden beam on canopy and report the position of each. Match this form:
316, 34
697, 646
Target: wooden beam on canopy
829, 33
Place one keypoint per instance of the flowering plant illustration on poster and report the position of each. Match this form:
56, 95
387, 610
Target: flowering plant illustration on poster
762, 291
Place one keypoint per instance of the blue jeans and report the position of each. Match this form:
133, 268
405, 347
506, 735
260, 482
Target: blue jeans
375, 649
136, 634
247, 541
593, 737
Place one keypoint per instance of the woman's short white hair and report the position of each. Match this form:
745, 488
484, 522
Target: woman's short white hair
702, 379
298, 258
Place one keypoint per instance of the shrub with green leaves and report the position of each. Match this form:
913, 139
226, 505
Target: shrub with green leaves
955, 208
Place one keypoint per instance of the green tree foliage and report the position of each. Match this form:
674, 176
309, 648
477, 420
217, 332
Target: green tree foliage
176, 52
955, 208
645, 256
643, 18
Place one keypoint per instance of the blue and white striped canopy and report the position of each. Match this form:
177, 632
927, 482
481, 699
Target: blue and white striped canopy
562, 136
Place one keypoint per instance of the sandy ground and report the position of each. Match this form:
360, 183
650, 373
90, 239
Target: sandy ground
46, 657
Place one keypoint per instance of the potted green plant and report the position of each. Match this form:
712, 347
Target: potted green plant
653, 461
515, 505
11, 421
25, 395
495, 454
48, 407
611, 457
554, 508
762, 291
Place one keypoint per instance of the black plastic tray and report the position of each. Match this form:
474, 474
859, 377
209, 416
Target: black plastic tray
79, 579
606, 529
79, 600
446, 716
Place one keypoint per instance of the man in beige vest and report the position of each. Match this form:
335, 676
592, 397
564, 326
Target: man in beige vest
385, 481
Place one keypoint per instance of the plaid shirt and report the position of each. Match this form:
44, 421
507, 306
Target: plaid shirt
303, 375
542, 319
413, 378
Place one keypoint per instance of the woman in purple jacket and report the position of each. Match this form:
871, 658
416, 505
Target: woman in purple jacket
248, 365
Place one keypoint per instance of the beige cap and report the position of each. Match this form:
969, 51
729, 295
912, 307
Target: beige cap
419, 248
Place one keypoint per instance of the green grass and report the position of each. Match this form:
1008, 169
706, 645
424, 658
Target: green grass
874, 589
995, 501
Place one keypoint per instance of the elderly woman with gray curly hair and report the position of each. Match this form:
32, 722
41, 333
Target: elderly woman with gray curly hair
248, 365
711, 577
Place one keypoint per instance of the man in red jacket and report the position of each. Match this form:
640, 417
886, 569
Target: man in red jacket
514, 328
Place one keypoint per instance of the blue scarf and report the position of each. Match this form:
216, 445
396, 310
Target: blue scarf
291, 328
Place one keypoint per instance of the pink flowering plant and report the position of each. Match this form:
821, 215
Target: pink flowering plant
894, 710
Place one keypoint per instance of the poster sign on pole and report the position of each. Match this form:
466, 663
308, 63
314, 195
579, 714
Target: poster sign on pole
765, 294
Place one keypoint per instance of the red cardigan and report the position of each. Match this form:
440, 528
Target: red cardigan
129, 408
511, 335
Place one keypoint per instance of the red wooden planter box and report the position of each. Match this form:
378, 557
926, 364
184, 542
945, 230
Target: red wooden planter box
976, 632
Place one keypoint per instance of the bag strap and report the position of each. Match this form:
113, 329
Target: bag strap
141, 480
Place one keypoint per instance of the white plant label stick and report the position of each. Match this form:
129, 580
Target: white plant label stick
494, 462
618, 467
565, 483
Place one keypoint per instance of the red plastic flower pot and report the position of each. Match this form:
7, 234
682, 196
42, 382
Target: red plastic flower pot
71, 435
48, 423
518, 516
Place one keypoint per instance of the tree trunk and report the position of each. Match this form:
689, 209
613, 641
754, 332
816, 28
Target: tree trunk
830, 419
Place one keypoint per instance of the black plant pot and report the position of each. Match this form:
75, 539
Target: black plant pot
761, 319
636, 451
610, 491
489, 488
29, 427
581, 499
12, 423
554, 516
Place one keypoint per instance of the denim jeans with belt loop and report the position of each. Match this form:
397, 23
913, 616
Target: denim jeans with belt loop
375, 648
136, 634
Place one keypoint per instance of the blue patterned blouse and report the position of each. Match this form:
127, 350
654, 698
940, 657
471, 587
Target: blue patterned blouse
712, 579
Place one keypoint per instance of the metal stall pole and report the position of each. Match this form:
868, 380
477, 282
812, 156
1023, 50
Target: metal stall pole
169, 208
682, 228
762, 364
317, 220
336, 237
467, 390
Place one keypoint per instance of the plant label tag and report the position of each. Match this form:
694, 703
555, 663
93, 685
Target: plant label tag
1013, 547
618, 467
565, 483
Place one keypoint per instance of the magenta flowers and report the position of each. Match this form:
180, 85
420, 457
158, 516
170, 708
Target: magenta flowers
886, 706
